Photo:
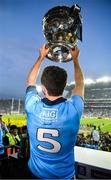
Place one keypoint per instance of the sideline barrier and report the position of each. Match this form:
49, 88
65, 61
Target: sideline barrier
92, 164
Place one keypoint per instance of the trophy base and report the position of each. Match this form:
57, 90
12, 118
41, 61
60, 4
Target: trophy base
59, 52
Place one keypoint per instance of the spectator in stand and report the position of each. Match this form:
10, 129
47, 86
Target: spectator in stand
95, 136
12, 137
9, 123
3, 126
24, 143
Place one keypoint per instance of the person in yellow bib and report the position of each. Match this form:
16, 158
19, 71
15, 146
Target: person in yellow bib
12, 137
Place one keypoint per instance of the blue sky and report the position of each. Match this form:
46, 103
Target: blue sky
21, 36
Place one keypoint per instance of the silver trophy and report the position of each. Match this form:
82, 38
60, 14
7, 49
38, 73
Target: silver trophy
62, 27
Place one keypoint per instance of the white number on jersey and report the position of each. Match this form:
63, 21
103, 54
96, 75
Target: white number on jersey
54, 133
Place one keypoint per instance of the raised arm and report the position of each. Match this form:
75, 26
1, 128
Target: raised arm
78, 74
33, 74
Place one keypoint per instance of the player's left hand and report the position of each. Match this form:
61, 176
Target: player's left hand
43, 51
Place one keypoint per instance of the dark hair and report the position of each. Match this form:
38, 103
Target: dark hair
54, 79
12, 127
0, 116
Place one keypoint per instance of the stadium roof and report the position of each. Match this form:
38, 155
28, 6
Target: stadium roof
103, 79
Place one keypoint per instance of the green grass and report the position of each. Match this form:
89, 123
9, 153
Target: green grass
104, 123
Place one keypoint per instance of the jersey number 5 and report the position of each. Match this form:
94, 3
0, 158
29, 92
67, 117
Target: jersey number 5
54, 133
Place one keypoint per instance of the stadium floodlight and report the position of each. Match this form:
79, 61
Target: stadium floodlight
104, 79
89, 81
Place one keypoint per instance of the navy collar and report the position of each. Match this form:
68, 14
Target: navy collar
50, 103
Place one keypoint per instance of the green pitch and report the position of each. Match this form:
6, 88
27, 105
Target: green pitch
20, 120
104, 123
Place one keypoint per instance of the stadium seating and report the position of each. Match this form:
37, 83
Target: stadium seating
97, 101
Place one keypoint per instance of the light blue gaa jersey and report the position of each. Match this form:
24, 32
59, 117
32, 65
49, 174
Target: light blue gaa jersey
52, 128
1, 141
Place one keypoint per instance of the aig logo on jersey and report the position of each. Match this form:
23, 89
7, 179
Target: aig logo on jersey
48, 115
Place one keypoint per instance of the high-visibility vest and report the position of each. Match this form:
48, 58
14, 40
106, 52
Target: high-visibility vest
12, 139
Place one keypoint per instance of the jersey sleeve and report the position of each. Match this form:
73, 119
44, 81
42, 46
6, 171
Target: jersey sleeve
31, 98
78, 103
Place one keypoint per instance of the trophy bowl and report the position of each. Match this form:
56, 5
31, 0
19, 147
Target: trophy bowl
62, 27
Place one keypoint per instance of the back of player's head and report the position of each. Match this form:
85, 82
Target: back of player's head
54, 79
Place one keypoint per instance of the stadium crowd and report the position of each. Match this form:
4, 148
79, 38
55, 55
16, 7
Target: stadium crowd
97, 101
95, 140
14, 151
8, 106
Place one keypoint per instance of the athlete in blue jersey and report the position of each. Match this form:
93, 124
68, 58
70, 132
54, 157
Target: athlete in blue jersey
53, 121
1, 139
